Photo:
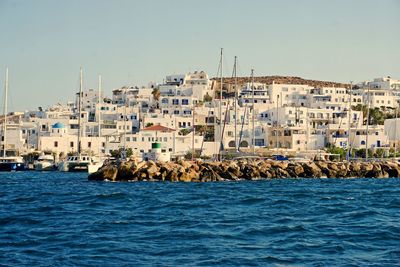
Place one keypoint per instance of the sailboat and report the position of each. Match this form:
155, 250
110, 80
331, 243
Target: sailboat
9, 163
80, 162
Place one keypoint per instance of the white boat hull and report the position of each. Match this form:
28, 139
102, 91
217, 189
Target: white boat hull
62, 166
44, 166
94, 167
89, 167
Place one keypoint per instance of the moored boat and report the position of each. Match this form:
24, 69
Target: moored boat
80, 163
9, 163
45, 163
12, 163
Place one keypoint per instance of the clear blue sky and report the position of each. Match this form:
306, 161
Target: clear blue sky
133, 42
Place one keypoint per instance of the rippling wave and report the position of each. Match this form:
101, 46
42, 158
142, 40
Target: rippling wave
61, 219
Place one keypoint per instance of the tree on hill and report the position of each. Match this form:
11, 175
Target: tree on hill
184, 132
207, 98
156, 96
118, 152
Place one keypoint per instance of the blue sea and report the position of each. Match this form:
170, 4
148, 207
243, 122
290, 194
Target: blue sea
61, 219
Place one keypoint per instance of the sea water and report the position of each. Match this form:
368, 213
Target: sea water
61, 219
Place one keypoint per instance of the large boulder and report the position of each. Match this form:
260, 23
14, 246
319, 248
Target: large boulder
172, 176
392, 169
374, 170
207, 175
250, 172
108, 172
152, 170
295, 170
355, 170
342, 169
264, 168
311, 170
125, 171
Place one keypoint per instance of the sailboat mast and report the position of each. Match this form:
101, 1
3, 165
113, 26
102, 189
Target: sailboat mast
349, 122
124, 155
5, 115
276, 126
252, 118
235, 103
80, 110
220, 107
366, 138
395, 133
99, 114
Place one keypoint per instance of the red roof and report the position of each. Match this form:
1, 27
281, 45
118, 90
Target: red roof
158, 128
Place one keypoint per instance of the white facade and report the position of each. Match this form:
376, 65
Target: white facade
289, 94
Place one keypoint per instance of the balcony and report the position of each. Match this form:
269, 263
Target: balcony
339, 136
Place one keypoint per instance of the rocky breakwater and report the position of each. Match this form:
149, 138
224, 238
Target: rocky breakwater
232, 170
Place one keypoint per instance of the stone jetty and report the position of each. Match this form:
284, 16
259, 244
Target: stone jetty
245, 169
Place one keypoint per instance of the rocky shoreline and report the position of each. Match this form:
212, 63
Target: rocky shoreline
246, 169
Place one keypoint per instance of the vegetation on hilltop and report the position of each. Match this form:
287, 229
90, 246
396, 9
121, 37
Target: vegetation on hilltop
228, 82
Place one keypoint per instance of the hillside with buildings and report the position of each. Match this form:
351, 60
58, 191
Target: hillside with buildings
181, 117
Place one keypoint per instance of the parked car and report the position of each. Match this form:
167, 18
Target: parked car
279, 157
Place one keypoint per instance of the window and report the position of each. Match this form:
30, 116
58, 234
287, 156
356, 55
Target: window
175, 101
55, 144
71, 144
185, 101
89, 144
176, 112
259, 142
